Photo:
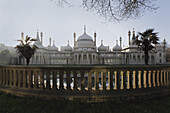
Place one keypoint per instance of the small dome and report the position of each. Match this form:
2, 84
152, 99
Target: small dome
85, 37
102, 47
117, 47
53, 48
68, 47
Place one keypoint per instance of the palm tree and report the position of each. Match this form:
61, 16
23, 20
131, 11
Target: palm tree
25, 49
146, 41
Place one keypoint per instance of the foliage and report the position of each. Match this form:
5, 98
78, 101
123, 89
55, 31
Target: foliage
25, 49
146, 41
5, 56
116, 10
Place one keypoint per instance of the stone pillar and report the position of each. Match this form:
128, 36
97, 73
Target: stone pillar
104, 80
61, 80
87, 58
134, 79
24, 78
48, 73
11, 78
118, 79
139, 79
128, 79
77, 58
165, 77
92, 58
144, 79
82, 58
154, 83
161, 77
75, 80
111, 80
158, 76
1, 76
19, 78
149, 78
55, 80
7, 77
89, 81
96, 80
122, 80
68, 80
15, 78
41, 79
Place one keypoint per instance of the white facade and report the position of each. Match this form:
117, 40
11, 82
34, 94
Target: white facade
85, 52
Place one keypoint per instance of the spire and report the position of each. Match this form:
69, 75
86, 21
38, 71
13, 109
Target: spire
53, 42
133, 35
22, 35
129, 34
95, 38
116, 42
41, 34
68, 43
84, 28
38, 36
74, 39
49, 41
101, 42
120, 41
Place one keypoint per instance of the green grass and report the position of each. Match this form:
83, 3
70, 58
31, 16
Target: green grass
13, 104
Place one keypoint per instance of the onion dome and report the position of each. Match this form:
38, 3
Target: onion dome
68, 47
53, 48
85, 40
102, 47
117, 47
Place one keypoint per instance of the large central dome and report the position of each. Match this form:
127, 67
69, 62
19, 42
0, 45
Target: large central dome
85, 40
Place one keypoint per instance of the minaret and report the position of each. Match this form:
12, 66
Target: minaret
38, 36
68, 43
74, 35
95, 38
53, 42
120, 41
49, 41
133, 35
22, 35
41, 34
164, 44
129, 34
116, 42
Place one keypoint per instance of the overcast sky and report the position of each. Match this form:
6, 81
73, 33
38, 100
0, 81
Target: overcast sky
59, 23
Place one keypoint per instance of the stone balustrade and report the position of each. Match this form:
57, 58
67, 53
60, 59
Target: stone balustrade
84, 82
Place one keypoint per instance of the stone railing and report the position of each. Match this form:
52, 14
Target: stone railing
86, 83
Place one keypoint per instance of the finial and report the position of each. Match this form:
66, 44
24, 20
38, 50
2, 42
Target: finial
68, 42
129, 33
95, 34
84, 28
116, 42
101, 42
120, 38
74, 34
53, 42
133, 31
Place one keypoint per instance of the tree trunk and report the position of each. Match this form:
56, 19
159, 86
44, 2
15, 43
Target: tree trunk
28, 61
146, 57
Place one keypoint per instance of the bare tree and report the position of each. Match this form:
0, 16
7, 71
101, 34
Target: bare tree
116, 10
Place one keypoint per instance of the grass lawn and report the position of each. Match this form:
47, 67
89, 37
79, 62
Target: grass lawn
13, 104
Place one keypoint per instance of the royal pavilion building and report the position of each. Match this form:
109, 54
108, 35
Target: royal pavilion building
86, 52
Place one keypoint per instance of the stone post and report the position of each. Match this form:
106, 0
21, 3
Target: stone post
89, 80
111, 80
158, 76
128, 79
134, 79
167, 77
104, 80
154, 83
11, 78
30, 79
68, 80
165, 82
35, 79
97, 80
122, 80
48, 73
139, 79
15, 78
61, 79
19, 78
41, 79
75, 80
24, 78
161, 77
118, 79
144, 79
55, 80
149, 78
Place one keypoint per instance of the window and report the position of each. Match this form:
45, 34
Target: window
160, 61
160, 54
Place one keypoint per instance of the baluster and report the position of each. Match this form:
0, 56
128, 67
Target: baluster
24, 78
158, 76
161, 77
128, 79
104, 80
61, 80
41, 79
75, 80
19, 78
139, 79
11, 78
68, 80
149, 79
96, 80
144, 79
48, 73
111, 80
122, 80
0, 76
134, 79
7, 76
125, 79
55, 80
4, 76
29, 72
118, 79
15, 78
154, 84
165, 77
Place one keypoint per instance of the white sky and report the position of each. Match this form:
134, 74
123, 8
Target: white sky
27, 16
